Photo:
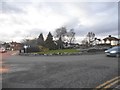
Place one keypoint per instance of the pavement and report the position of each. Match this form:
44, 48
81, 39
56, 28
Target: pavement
3, 57
83, 71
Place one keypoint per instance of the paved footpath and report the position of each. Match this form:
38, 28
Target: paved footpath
3, 69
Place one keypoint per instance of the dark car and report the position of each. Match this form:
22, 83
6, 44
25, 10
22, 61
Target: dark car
114, 51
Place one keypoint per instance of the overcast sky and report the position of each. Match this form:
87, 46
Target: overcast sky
28, 18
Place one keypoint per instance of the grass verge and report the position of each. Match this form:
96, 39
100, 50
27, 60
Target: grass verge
61, 51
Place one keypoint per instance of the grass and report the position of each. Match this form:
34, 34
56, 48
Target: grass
62, 51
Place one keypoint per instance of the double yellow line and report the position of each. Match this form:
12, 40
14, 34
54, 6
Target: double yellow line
108, 84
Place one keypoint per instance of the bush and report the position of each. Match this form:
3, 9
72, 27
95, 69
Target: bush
43, 49
92, 50
33, 49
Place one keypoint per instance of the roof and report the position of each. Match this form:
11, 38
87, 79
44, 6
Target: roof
15, 43
111, 38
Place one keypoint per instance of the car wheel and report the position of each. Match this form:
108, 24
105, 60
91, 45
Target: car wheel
117, 55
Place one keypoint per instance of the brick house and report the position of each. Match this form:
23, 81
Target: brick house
15, 46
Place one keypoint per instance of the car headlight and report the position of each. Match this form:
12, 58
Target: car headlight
113, 51
106, 51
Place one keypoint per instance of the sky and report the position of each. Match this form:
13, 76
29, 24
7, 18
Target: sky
20, 19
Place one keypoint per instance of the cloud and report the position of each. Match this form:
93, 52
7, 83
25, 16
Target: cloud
21, 19
10, 7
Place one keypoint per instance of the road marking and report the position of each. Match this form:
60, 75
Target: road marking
111, 84
108, 83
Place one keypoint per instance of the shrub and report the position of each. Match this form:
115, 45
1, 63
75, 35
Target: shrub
92, 50
43, 49
33, 49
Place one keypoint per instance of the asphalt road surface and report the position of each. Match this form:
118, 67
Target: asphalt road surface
83, 71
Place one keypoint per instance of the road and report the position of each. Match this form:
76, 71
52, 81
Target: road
83, 71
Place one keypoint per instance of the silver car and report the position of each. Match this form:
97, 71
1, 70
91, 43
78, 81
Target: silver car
114, 51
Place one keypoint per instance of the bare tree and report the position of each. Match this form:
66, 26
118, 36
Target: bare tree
70, 36
91, 37
66, 36
60, 33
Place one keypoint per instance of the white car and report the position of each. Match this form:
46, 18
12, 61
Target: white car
2, 50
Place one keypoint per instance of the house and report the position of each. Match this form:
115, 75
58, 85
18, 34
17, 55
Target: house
71, 45
111, 40
15, 45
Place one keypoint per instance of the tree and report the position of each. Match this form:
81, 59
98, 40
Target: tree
60, 32
40, 40
70, 36
49, 43
60, 43
85, 42
91, 37
29, 42
66, 36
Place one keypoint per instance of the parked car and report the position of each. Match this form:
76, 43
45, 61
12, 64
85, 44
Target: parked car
2, 50
114, 51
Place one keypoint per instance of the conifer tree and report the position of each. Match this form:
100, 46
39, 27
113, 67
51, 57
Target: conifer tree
40, 40
49, 43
